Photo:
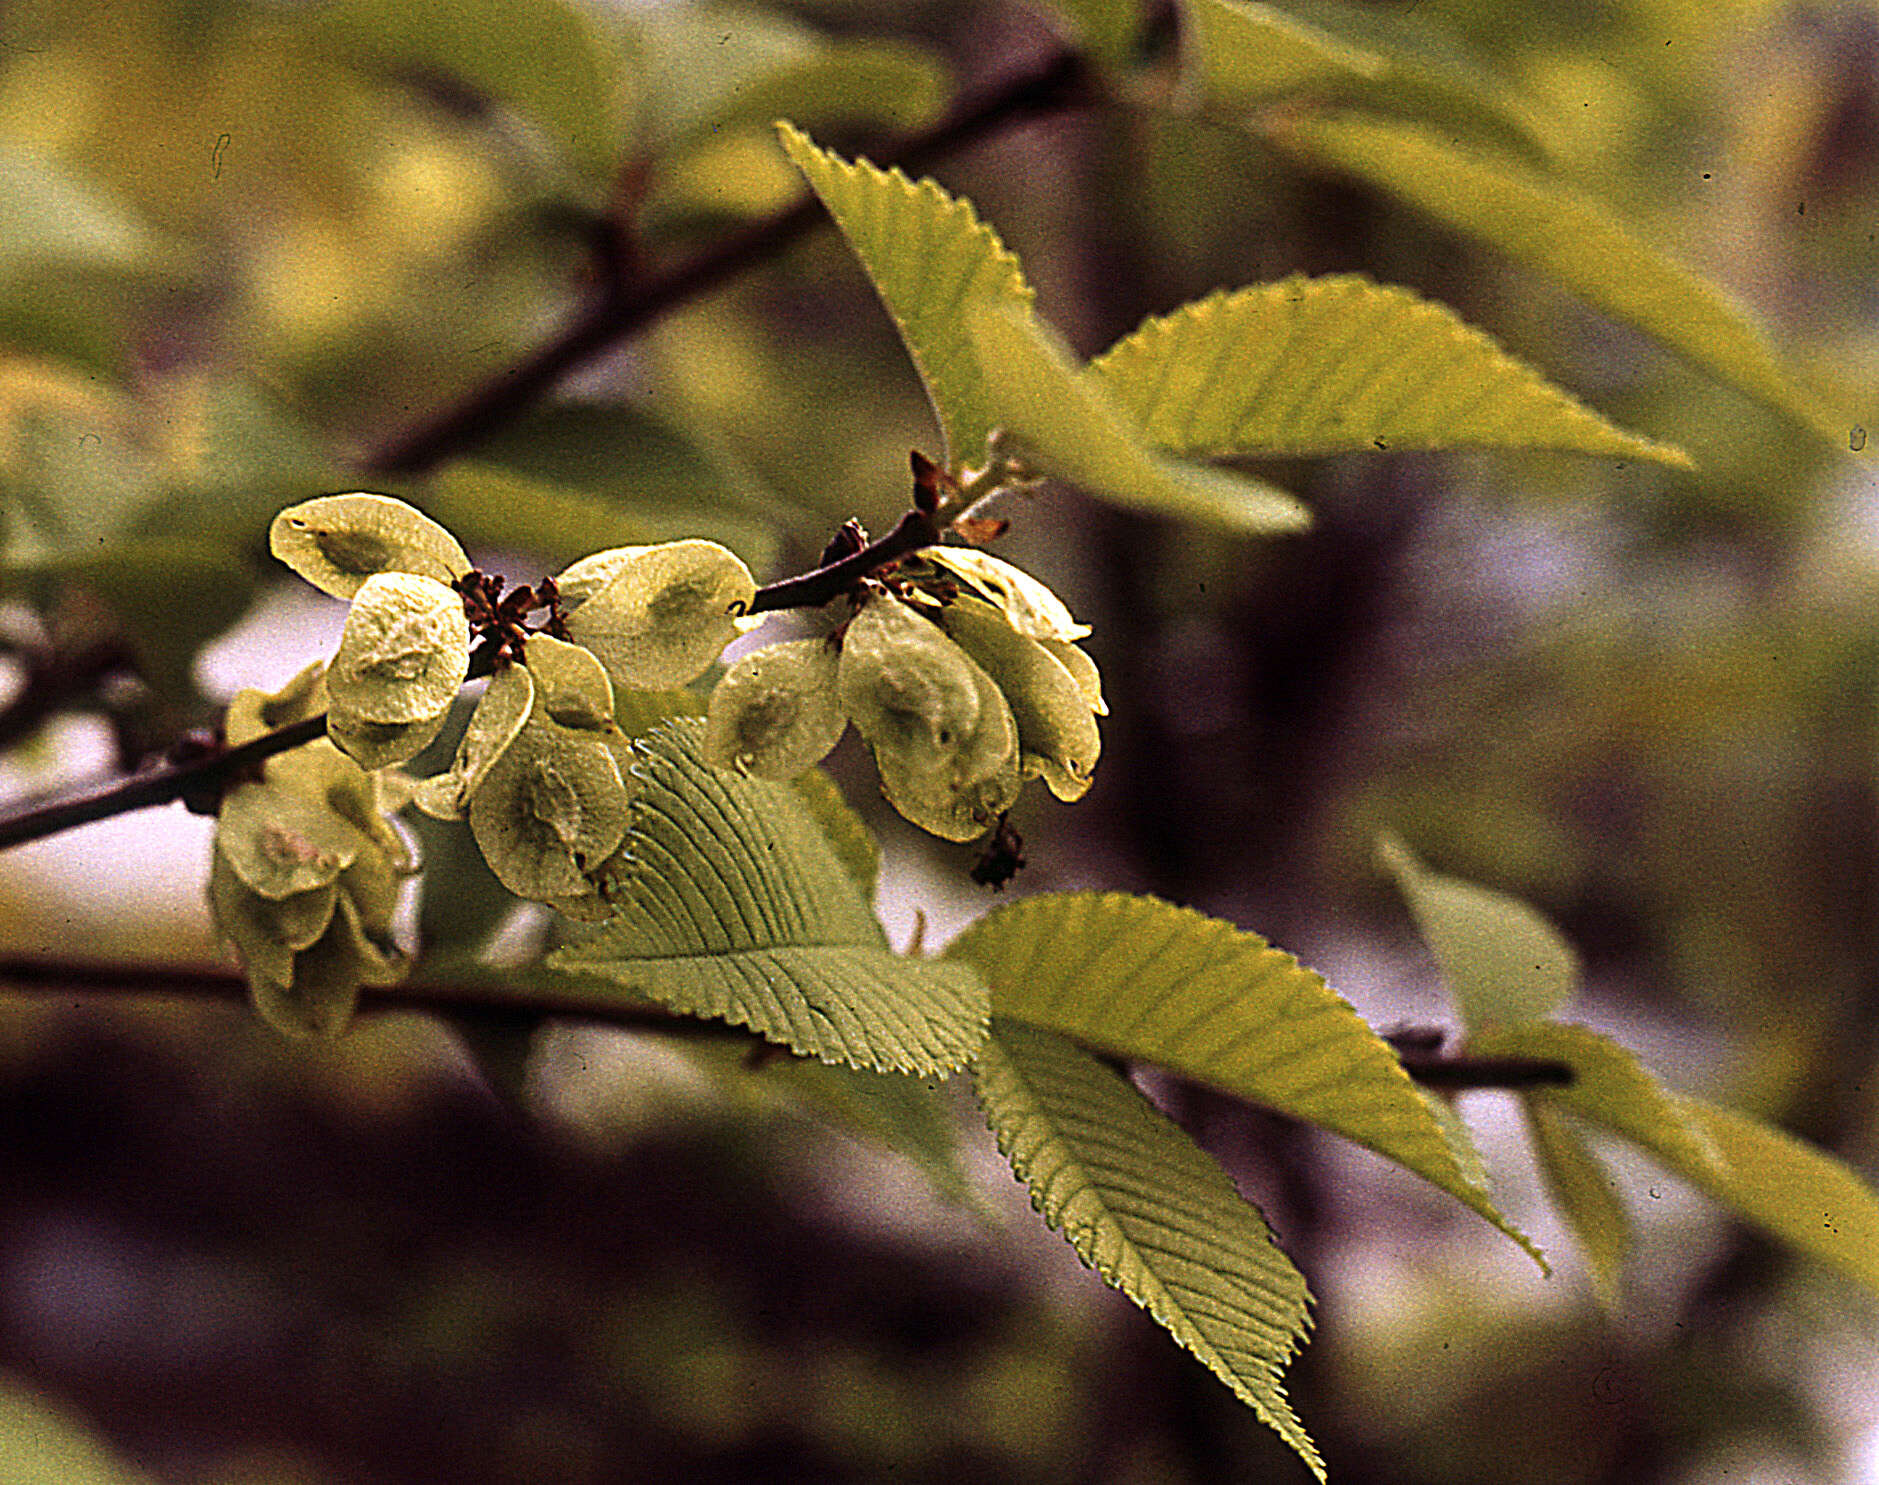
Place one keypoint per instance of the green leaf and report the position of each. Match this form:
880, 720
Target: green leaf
1242, 55
1585, 1193
732, 904
1151, 1212
1551, 227
629, 476
929, 257
1327, 365
1067, 425
1108, 29
1500, 959
547, 59
879, 85
1142, 979
848, 836
1801, 1194
1610, 1088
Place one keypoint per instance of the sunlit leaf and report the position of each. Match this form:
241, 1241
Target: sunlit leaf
1065, 424
1500, 960
1552, 227
929, 257
1151, 1212
731, 904
1321, 366
1139, 978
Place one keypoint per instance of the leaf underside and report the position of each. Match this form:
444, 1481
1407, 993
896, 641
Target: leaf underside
1145, 980
1329, 365
733, 905
1150, 1211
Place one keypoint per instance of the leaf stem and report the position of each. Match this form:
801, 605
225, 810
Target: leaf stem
913, 531
625, 305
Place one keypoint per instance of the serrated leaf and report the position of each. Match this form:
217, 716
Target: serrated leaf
1801, 1194
929, 257
1585, 1193
1242, 55
1328, 365
1066, 425
1502, 961
1552, 227
1151, 1212
1143, 979
732, 904
547, 59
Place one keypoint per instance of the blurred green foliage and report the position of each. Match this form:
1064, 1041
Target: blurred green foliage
245, 246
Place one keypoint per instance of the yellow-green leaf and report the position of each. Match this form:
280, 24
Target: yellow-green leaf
1610, 1087
1322, 366
1801, 1194
1143, 979
1067, 425
1108, 29
929, 257
1242, 55
732, 904
1585, 1193
1554, 228
1151, 1212
1500, 959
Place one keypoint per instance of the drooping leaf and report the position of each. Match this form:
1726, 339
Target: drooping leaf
1552, 227
1801, 1194
929, 257
880, 85
1322, 366
546, 59
732, 904
1067, 425
1500, 959
1610, 1088
1151, 1212
1244, 55
1585, 1193
1143, 979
